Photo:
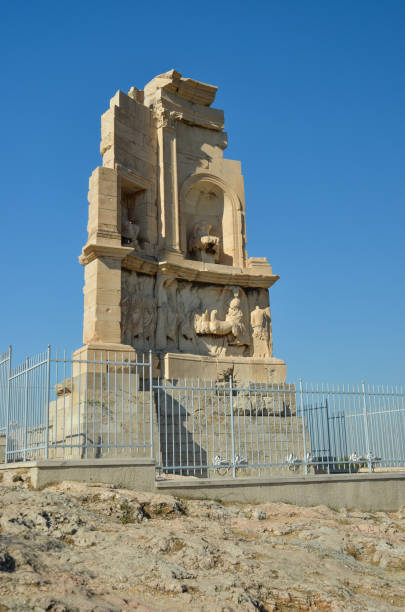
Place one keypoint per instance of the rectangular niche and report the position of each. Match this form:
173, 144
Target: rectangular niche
138, 225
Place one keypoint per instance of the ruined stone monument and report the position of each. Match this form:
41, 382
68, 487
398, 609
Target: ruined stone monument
166, 267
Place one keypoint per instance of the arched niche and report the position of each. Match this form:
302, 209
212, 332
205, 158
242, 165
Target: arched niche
210, 209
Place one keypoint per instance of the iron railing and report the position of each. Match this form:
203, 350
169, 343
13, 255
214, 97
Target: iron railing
109, 405
353, 427
222, 429
54, 407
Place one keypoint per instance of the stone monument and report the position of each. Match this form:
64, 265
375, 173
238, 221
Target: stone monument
166, 267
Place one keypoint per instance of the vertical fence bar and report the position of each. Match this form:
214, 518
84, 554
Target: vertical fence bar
25, 407
366, 432
48, 384
151, 429
8, 404
304, 441
232, 428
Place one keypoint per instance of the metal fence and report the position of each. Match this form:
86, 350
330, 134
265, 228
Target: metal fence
354, 427
55, 407
221, 429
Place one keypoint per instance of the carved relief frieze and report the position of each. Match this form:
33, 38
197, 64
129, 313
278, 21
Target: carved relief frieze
233, 329
170, 315
260, 322
138, 310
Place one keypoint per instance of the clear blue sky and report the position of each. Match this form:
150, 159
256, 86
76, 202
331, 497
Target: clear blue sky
314, 99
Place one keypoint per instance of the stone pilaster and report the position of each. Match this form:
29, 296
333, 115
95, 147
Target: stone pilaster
168, 182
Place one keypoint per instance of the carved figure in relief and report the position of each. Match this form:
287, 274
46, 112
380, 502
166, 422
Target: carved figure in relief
149, 320
138, 311
131, 319
167, 318
237, 318
234, 327
134, 235
202, 323
139, 321
204, 243
185, 328
260, 322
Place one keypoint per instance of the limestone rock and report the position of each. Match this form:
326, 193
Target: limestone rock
69, 547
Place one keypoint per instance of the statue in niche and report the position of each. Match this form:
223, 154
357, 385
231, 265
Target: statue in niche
260, 322
130, 229
203, 243
134, 235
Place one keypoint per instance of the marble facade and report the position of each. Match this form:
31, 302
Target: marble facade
166, 267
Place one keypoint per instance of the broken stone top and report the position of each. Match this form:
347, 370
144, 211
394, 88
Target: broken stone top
188, 89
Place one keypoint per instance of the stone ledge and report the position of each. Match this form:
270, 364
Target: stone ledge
287, 480
56, 463
367, 492
123, 472
244, 369
259, 276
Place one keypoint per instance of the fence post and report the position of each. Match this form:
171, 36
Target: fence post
328, 432
366, 432
25, 407
304, 438
152, 445
232, 427
48, 384
8, 404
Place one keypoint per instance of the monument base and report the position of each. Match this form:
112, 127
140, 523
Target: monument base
242, 369
103, 351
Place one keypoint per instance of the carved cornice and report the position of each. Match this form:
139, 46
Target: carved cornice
93, 251
199, 272
137, 263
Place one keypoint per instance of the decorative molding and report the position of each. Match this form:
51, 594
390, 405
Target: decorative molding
137, 263
93, 251
200, 272
166, 118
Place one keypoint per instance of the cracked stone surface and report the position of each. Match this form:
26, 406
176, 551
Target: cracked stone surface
74, 547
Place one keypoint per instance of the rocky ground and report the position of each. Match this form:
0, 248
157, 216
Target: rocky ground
75, 547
